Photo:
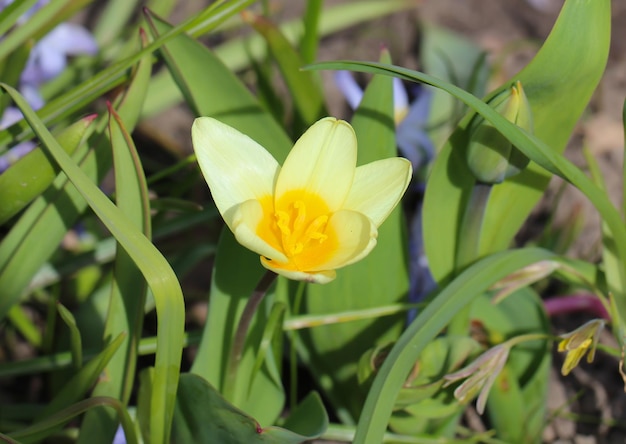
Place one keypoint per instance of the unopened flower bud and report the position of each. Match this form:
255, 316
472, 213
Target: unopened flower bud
490, 156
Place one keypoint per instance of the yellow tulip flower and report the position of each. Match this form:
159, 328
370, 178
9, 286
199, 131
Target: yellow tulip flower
316, 213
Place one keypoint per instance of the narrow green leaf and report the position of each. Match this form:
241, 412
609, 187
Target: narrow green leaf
33, 173
44, 224
11, 72
454, 58
25, 325
42, 21
624, 163
156, 270
361, 286
128, 291
211, 89
76, 342
558, 83
310, 39
12, 12
273, 329
535, 149
112, 20
235, 275
462, 290
42, 429
237, 53
516, 403
116, 74
306, 94
77, 386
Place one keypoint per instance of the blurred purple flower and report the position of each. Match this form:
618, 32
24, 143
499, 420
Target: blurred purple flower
413, 142
411, 118
120, 437
12, 115
47, 59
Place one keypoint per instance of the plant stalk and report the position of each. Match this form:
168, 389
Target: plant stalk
468, 249
241, 333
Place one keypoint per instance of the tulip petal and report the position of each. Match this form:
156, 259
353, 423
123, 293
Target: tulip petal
235, 167
378, 187
243, 221
356, 236
322, 162
316, 277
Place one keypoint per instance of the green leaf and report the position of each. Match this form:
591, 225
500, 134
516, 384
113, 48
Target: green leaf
42, 21
211, 89
76, 387
462, 290
42, 429
76, 341
12, 12
112, 20
86, 92
128, 289
45, 222
310, 39
197, 400
33, 173
237, 53
558, 83
532, 147
235, 275
157, 272
454, 58
303, 88
517, 402
335, 350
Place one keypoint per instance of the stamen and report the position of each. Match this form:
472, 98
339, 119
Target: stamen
298, 223
296, 234
315, 229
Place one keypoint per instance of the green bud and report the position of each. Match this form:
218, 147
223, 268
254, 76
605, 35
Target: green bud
490, 156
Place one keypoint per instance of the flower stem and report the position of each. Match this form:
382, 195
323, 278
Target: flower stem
469, 246
239, 340
469, 241
293, 357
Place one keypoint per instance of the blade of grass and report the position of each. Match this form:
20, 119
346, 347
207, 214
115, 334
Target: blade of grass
76, 342
128, 291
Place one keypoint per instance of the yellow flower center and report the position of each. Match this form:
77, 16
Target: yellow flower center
297, 224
